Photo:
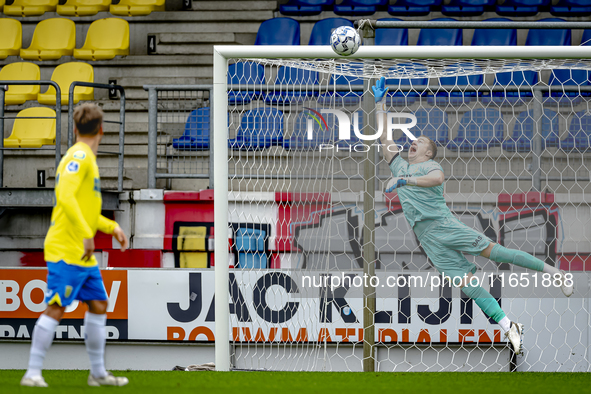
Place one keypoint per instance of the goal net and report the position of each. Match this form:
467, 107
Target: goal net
325, 273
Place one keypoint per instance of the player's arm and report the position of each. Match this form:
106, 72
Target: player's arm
389, 148
111, 227
433, 178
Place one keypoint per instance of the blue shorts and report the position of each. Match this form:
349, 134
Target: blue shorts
445, 240
68, 282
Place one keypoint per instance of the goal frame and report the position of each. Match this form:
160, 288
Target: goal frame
221, 54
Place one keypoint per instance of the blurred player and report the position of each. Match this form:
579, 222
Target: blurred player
72, 270
419, 183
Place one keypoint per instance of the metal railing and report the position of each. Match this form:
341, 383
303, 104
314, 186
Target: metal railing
58, 133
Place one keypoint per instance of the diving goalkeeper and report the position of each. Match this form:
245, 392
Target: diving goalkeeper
419, 183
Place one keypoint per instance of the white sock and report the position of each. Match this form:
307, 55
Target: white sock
95, 339
42, 338
505, 324
550, 270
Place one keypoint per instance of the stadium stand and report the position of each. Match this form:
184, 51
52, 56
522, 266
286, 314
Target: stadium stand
305, 7
431, 122
440, 36
260, 128
549, 36
2, 2
559, 78
20, 71
523, 132
64, 75
30, 7
136, 7
289, 28
46, 45
571, 8
293, 76
106, 38
323, 133
495, 36
391, 36
321, 31
512, 78
83, 7
579, 133
196, 135
465, 7
358, 7
244, 73
444, 98
11, 39
32, 133
586, 39
413, 7
521, 8
480, 129
347, 97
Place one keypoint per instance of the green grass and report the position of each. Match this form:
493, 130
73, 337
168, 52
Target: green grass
308, 382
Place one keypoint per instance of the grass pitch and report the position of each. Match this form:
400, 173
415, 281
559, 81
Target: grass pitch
177, 382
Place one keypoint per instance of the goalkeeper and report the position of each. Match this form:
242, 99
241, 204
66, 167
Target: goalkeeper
419, 183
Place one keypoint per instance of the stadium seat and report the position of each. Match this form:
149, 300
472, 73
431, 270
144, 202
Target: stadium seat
521, 8
64, 75
440, 36
571, 8
358, 7
495, 36
32, 133
30, 7
11, 38
293, 76
402, 92
466, 7
431, 122
289, 28
260, 128
46, 45
322, 29
21, 71
391, 36
523, 131
512, 78
579, 133
250, 245
559, 37
479, 130
344, 97
323, 133
244, 73
106, 38
2, 2
136, 7
413, 7
443, 97
83, 7
560, 78
305, 7
196, 135
586, 39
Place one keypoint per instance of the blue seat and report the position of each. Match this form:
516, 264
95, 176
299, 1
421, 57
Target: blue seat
289, 28
244, 73
358, 7
495, 37
521, 7
523, 132
322, 133
293, 76
559, 78
413, 7
579, 133
586, 39
322, 29
340, 98
250, 245
443, 97
391, 36
571, 8
466, 7
259, 128
560, 37
304, 7
403, 91
440, 36
432, 123
196, 135
479, 130
512, 78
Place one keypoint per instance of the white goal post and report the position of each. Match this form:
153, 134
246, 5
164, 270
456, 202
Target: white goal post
253, 187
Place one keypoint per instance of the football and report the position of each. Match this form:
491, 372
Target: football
345, 40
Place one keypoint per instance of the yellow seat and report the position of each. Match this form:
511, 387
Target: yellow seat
106, 38
52, 39
32, 133
30, 7
2, 2
136, 7
64, 75
21, 71
11, 38
83, 7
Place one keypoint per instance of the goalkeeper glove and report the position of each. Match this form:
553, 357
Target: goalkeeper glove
396, 183
379, 92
